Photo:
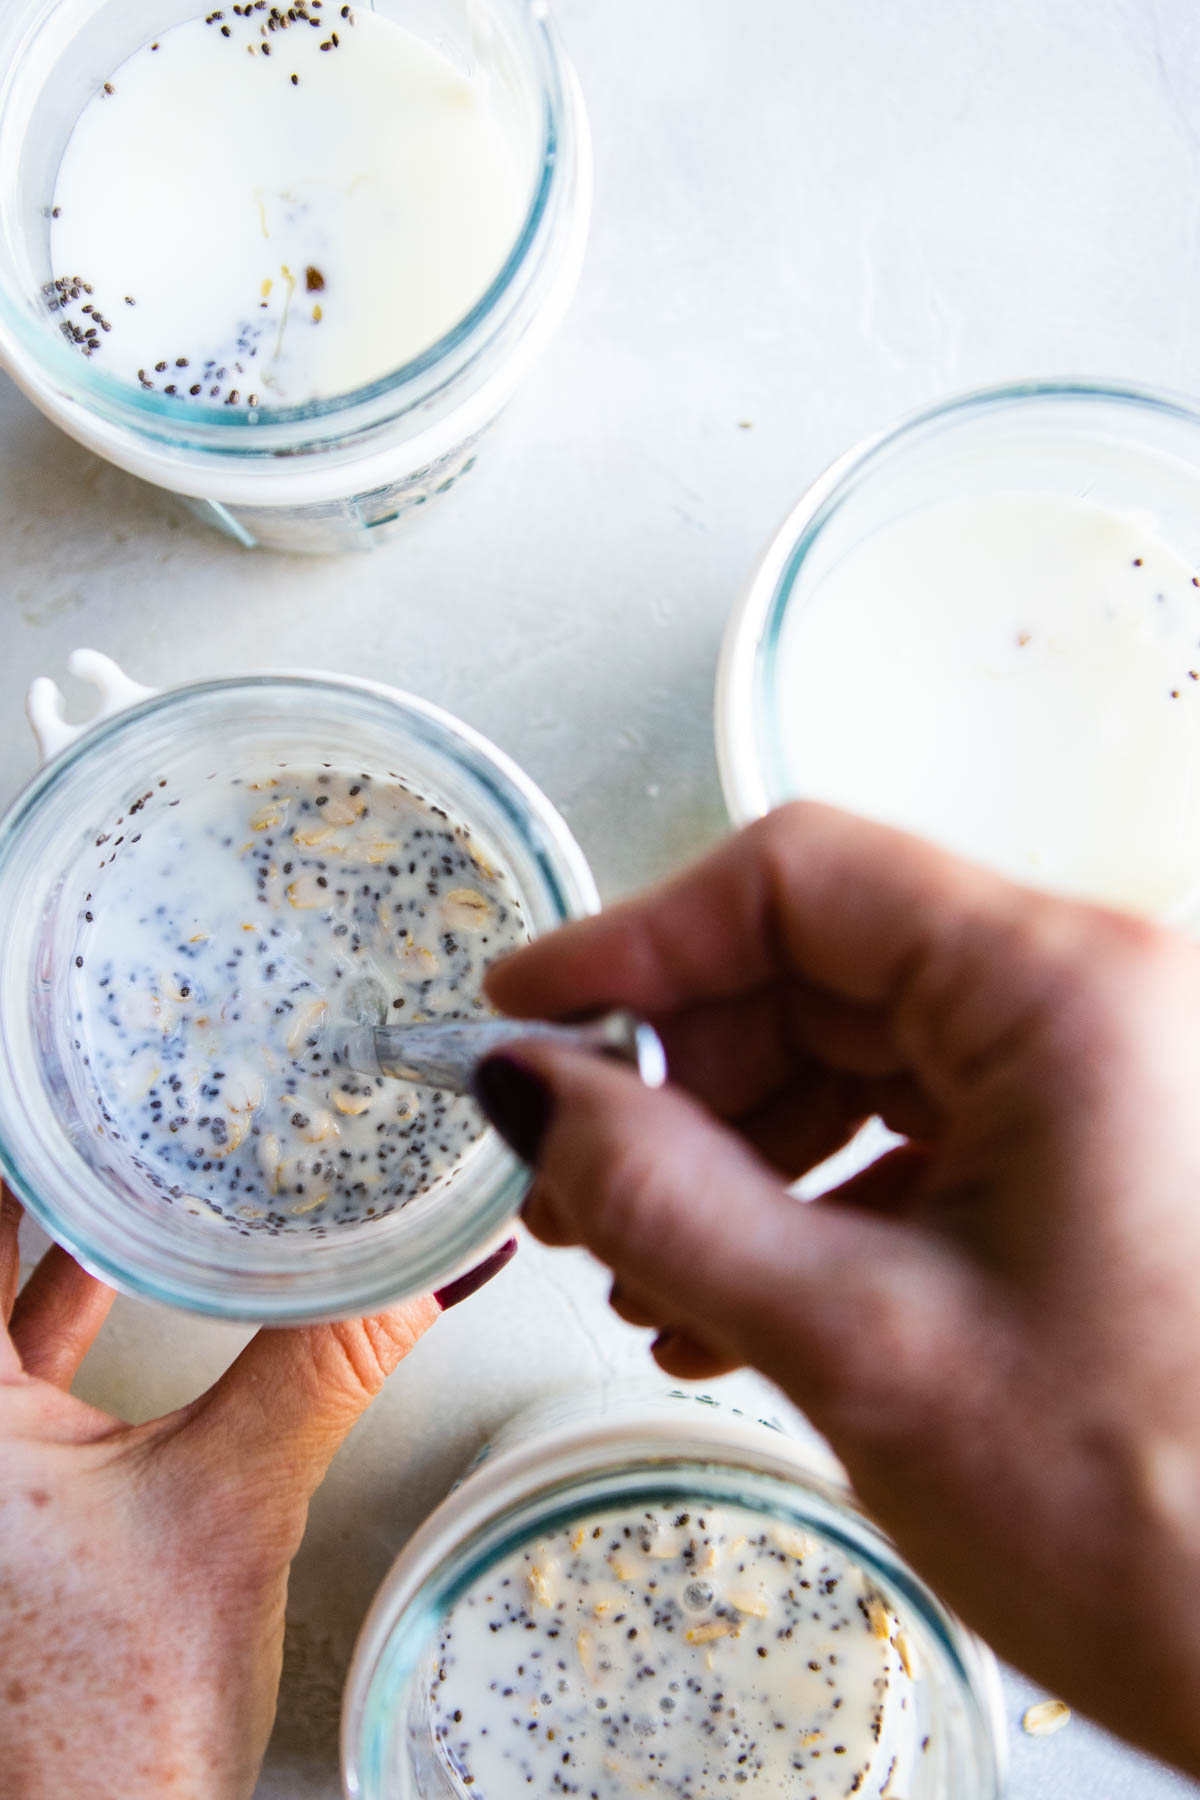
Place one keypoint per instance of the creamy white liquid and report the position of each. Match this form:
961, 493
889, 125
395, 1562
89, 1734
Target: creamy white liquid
282, 241
683, 1652
1018, 678
222, 942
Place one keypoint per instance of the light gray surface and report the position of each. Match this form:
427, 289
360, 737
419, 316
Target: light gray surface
810, 217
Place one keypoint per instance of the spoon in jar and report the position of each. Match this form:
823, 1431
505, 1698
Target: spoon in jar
446, 1054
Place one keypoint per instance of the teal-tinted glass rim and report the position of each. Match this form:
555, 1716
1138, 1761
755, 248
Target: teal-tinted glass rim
570, 891
841, 482
369, 1724
416, 381
492, 763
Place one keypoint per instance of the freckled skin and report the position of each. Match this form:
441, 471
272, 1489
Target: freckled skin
119, 1637
143, 1569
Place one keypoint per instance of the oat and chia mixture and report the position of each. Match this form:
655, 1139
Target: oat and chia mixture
685, 1651
223, 939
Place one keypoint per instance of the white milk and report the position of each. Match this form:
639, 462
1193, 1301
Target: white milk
687, 1652
264, 209
1016, 677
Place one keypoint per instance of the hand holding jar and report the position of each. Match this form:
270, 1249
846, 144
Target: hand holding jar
147, 1566
997, 1324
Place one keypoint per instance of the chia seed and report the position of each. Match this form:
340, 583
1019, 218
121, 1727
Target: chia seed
171, 992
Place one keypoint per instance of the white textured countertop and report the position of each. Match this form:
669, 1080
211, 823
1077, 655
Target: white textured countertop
811, 217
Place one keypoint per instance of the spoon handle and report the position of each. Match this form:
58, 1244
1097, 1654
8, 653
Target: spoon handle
447, 1055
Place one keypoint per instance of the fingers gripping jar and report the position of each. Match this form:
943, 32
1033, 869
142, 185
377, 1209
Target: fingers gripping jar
634, 1592
64, 848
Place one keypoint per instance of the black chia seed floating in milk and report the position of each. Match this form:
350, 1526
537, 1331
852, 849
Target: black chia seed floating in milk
683, 1652
222, 938
267, 205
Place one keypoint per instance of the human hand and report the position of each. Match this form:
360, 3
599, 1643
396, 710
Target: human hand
143, 1569
998, 1324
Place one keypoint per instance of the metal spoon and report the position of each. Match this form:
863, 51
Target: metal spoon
446, 1055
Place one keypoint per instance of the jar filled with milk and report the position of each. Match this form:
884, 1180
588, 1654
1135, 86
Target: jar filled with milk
288, 261
984, 628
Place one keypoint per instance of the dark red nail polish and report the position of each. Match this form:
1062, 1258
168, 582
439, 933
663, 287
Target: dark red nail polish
517, 1102
463, 1286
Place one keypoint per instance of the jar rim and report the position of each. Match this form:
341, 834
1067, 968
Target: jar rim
591, 1469
745, 696
41, 357
358, 1272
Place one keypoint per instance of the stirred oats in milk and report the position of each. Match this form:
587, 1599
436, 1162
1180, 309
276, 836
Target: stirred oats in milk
227, 932
683, 1651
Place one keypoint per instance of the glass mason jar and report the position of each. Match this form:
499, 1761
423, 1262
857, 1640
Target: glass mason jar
335, 473
623, 1453
1136, 453
69, 1174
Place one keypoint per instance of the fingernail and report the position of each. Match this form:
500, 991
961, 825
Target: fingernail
517, 1102
463, 1286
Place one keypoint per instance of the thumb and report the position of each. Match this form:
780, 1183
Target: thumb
847, 1309
284, 1406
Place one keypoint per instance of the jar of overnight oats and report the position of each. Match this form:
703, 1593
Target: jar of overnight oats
287, 262
196, 892
653, 1593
